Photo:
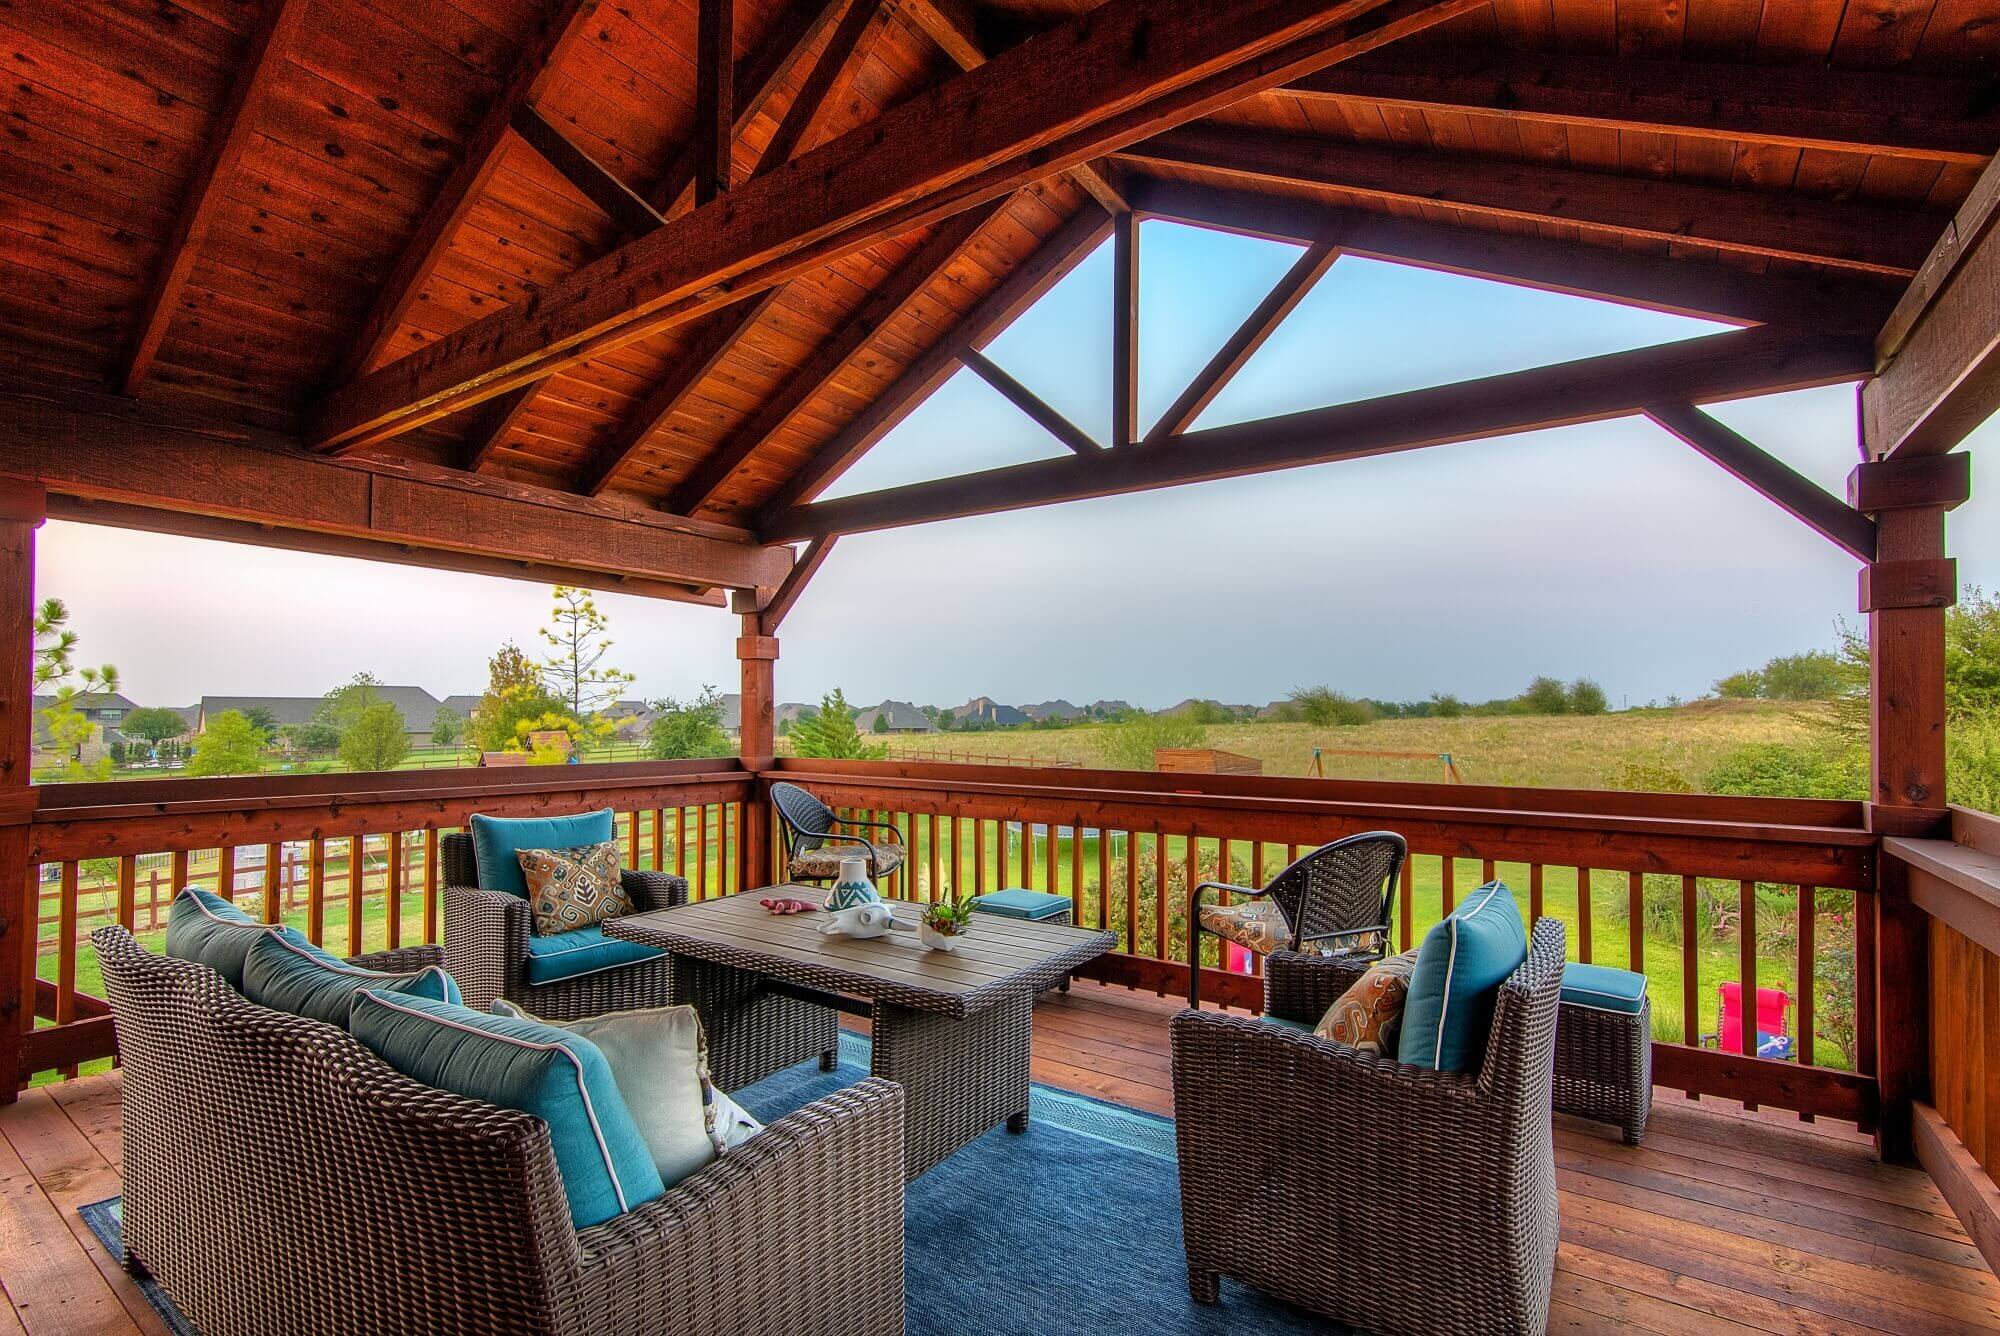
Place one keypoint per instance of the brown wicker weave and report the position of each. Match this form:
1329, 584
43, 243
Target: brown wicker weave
1393, 1198
486, 945
1604, 1066
279, 1178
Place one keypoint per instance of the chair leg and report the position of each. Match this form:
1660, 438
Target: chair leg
830, 1060
1204, 1287
1194, 964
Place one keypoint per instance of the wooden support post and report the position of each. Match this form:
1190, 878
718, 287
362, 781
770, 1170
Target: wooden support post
1907, 796
757, 719
23, 506
715, 98
1125, 331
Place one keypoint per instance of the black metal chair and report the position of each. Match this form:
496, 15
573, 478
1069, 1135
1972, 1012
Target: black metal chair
814, 848
1335, 899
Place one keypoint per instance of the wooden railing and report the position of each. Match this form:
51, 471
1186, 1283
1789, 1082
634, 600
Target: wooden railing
1772, 893
353, 870
1956, 1131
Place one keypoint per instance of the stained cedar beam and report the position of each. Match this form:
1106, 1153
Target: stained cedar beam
757, 77
110, 450
712, 342
497, 420
1850, 235
950, 24
772, 613
591, 178
714, 138
1720, 366
1771, 478
1828, 303
1938, 356
463, 187
1125, 330
262, 63
833, 71
1052, 261
1923, 117
1104, 79
1025, 399
883, 303
1237, 350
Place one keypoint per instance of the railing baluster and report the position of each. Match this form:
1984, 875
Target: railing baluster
1076, 897
979, 854
431, 925
632, 839
1486, 871
1808, 973
357, 891
225, 872
1160, 894
316, 891
128, 891
1746, 962
932, 891
701, 852
1051, 848
1448, 872
179, 874
1691, 969
1635, 928
392, 890
681, 842
1534, 893
1103, 880
1000, 851
1409, 905
274, 883
65, 954
1583, 889
660, 840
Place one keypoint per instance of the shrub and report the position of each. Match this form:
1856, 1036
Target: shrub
377, 740
1328, 708
1545, 695
831, 734
691, 728
1787, 770
1176, 898
1130, 745
1585, 697
230, 745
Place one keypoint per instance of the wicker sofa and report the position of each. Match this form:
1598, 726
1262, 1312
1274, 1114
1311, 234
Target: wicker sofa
1397, 1199
278, 1177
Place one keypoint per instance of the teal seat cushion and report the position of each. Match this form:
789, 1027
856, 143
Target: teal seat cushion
207, 929
1460, 966
1281, 1022
521, 1064
565, 955
497, 840
289, 976
1020, 904
1603, 988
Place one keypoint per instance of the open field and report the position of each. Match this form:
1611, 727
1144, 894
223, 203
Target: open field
1545, 751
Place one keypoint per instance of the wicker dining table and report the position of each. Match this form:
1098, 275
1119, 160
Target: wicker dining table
953, 1028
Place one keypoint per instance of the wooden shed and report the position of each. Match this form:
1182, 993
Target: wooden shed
1204, 761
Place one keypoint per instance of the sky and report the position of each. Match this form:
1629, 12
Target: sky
1608, 550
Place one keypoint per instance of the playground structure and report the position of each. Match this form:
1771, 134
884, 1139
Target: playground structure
1318, 768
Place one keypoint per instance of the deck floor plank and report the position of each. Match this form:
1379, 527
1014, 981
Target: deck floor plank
1728, 1222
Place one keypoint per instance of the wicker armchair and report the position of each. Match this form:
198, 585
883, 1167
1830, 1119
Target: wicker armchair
1336, 897
412, 1209
813, 844
486, 945
1388, 1197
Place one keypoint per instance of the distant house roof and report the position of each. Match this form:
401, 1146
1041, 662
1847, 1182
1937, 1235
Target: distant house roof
417, 706
463, 705
902, 716
89, 702
987, 710
1104, 707
1053, 709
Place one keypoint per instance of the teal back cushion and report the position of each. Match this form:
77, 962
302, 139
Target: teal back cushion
286, 976
207, 929
1460, 968
496, 840
521, 1064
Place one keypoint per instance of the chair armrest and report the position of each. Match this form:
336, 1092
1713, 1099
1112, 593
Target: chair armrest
700, 1257
654, 890
402, 960
867, 825
485, 942
1300, 986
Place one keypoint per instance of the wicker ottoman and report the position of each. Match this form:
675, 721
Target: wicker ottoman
1604, 1048
1036, 906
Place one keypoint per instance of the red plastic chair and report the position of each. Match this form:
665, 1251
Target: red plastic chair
1774, 1028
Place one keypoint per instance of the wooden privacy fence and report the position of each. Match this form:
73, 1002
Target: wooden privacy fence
1695, 891
353, 871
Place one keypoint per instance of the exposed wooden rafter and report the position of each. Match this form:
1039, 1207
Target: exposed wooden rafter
1833, 303
1037, 408
1809, 107
1843, 233
262, 64
497, 420
714, 138
462, 187
806, 118
593, 181
1720, 366
1243, 344
1105, 79
888, 299
1771, 478
1056, 257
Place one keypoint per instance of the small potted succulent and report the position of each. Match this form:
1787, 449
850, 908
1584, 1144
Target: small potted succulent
945, 923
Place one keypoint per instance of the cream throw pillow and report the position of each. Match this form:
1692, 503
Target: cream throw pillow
659, 1060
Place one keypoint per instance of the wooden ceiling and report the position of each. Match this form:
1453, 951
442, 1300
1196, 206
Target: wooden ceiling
231, 207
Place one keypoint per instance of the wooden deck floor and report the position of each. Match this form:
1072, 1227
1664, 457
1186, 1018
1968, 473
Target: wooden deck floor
1726, 1221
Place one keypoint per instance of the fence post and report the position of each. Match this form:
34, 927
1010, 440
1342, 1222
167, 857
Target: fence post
23, 507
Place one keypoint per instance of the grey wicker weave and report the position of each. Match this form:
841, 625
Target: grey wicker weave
1604, 1066
814, 844
279, 1178
486, 945
1392, 1198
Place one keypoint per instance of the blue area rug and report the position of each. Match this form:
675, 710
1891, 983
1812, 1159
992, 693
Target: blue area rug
1071, 1229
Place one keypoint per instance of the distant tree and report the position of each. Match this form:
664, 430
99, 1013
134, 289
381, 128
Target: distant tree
1585, 697
230, 745
378, 739
263, 721
341, 708
1131, 745
54, 670
881, 722
1326, 708
575, 671
315, 737
1746, 685
1545, 695
154, 724
446, 726
784, 728
514, 693
1446, 706
687, 728
831, 735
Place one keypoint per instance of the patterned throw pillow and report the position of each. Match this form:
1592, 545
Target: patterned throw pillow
573, 888
1368, 1015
